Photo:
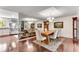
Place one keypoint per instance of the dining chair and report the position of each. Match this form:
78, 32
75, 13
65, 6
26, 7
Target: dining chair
55, 35
39, 37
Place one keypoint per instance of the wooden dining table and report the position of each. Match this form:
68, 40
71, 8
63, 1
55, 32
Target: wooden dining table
47, 34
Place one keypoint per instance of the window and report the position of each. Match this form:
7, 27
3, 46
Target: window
2, 23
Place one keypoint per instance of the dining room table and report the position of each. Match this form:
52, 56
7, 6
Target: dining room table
47, 34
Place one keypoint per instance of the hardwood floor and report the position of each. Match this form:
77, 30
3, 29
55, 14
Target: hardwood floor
69, 45
23, 46
27, 45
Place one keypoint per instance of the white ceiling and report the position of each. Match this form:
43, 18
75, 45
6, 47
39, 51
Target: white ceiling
43, 12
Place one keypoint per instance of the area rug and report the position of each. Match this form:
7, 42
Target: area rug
52, 46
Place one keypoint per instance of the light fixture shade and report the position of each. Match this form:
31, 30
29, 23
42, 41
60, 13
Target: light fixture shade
53, 18
50, 19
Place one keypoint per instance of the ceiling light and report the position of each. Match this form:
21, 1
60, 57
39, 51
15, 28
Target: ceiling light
50, 12
50, 19
29, 19
30, 22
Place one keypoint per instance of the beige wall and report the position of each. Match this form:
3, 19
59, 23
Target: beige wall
67, 30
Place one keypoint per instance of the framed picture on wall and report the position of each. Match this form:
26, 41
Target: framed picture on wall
39, 25
32, 25
58, 24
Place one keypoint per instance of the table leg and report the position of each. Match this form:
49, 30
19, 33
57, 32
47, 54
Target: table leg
47, 41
